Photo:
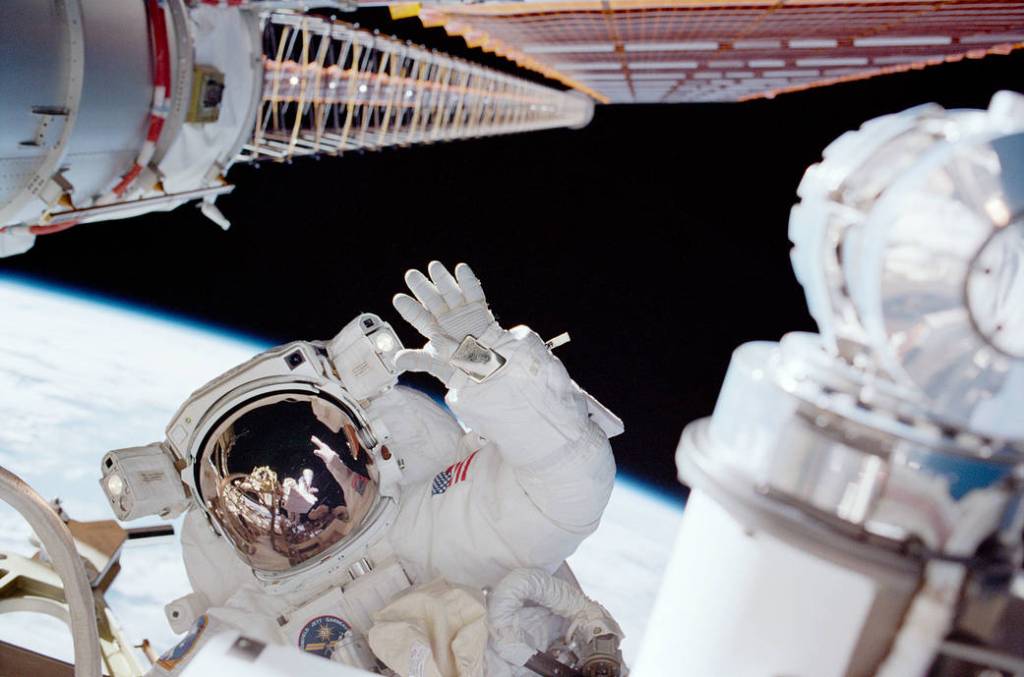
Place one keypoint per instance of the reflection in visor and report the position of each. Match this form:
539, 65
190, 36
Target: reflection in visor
286, 478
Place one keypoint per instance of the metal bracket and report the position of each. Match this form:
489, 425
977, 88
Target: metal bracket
477, 360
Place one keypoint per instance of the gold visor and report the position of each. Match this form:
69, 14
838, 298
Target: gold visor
286, 478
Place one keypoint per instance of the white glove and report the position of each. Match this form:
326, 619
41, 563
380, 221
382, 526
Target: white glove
326, 454
445, 311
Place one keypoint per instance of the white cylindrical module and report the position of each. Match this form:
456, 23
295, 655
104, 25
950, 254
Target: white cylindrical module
747, 601
815, 514
857, 496
117, 92
40, 91
118, 108
74, 98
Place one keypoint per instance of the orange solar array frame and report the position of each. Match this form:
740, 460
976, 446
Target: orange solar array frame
721, 50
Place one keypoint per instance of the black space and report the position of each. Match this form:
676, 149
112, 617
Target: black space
656, 237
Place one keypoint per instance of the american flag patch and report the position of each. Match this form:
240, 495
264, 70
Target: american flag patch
451, 475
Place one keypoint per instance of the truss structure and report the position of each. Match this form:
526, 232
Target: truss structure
330, 87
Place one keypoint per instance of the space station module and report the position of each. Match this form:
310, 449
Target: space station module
124, 107
858, 494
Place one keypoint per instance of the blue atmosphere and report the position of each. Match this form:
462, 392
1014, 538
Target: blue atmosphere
258, 344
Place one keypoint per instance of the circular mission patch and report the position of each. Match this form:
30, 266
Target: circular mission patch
321, 634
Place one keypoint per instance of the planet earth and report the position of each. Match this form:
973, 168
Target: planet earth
81, 375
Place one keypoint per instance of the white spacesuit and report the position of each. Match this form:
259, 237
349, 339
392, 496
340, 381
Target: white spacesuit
332, 509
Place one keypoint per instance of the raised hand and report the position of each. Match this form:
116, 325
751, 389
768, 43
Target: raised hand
324, 452
446, 309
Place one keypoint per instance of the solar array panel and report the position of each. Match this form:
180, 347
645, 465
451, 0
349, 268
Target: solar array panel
639, 51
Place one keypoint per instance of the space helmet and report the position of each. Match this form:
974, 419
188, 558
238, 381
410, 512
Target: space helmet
280, 453
286, 478
296, 456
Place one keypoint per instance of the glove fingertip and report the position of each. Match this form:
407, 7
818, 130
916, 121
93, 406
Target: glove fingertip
413, 276
408, 307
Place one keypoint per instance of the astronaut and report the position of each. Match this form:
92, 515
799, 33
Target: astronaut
334, 510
